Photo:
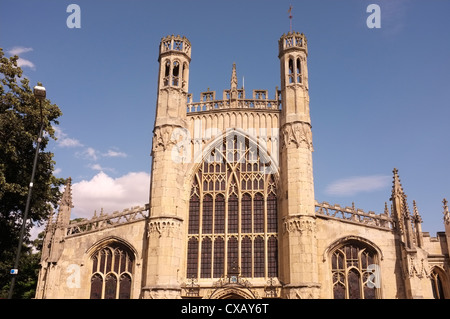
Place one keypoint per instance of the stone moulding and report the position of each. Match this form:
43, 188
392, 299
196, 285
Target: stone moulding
301, 224
247, 104
104, 221
163, 136
167, 226
297, 134
352, 215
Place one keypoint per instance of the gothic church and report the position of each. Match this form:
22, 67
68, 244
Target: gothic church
232, 212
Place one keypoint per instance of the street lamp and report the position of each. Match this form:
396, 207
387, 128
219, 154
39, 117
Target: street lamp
39, 93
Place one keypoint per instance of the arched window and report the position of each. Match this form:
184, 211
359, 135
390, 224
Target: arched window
112, 272
438, 282
291, 71
234, 197
166, 79
185, 75
355, 271
299, 71
176, 73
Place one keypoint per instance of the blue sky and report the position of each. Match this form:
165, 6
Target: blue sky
379, 98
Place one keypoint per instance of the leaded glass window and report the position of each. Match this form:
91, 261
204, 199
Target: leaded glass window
233, 213
355, 272
112, 272
437, 280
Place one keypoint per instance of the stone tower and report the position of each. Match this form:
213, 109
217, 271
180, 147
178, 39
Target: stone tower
298, 247
165, 229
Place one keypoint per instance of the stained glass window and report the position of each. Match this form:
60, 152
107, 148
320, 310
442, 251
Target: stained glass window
355, 272
233, 197
112, 272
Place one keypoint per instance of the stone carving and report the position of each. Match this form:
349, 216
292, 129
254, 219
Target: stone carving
161, 293
420, 269
297, 134
354, 215
446, 212
173, 136
162, 137
299, 224
169, 227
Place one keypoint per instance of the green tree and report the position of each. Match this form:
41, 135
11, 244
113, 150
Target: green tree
20, 121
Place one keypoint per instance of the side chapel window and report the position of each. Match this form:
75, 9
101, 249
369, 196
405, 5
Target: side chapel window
437, 284
112, 272
353, 266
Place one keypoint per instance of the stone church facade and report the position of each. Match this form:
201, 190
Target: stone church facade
232, 212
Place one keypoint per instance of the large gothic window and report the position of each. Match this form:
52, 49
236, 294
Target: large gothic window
233, 213
112, 273
355, 272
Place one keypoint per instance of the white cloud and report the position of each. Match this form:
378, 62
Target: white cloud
358, 184
21, 62
98, 167
89, 154
26, 63
111, 194
112, 153
64, 141
19, 50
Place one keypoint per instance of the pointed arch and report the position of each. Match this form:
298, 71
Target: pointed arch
238, 193
355, 268
439, 283
108, 241
112, 262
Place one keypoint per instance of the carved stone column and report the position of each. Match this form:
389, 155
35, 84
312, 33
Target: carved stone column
165, 252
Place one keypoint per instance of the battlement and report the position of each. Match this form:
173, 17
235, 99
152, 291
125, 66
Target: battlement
292, 40
208, 101
172, 43
354, 215
104, 221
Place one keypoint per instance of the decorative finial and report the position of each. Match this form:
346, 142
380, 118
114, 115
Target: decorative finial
397, 189
446, 212
66, 199
234, 81
416, 216
386, 209
406, 212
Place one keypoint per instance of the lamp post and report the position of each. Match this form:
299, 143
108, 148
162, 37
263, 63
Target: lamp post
39, 93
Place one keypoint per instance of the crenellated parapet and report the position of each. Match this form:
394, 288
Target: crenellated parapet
177, 44
353, 215
292, 40
103, 221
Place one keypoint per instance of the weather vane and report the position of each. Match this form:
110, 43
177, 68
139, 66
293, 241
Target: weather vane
290, 18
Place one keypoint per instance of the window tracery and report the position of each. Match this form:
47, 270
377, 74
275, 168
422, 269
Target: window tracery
352, 272
112, 273
233, 213
437, 281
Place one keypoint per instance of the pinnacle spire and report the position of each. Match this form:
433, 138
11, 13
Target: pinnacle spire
416, 216
234, 81
65, 204
446, 212
397, 189
386, 209
66, 199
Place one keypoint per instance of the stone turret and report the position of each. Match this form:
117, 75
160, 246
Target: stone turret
298, 244
167, 204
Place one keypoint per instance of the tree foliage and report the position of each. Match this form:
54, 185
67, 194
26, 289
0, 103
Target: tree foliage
20, 121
